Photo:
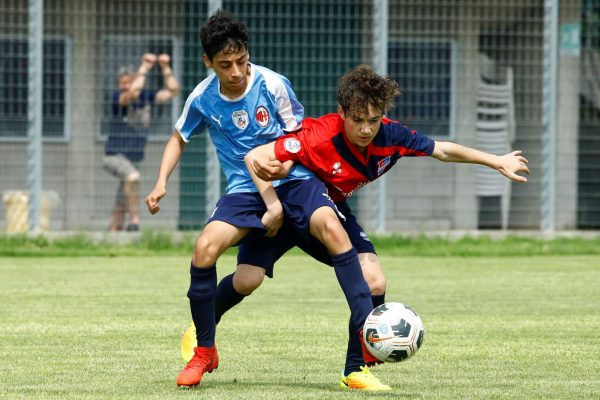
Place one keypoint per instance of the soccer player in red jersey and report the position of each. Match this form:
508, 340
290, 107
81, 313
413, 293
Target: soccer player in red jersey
357, 145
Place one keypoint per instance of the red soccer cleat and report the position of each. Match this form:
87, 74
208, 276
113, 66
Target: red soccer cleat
370, 360
205, 359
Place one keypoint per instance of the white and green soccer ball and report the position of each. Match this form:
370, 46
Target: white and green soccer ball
393, 332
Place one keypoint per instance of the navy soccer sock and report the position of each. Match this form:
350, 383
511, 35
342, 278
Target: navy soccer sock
378, 300
354, 346
353, 284
354, 357
201, 293
355, 288
227, 297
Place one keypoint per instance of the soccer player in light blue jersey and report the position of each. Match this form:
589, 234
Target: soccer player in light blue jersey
243, 106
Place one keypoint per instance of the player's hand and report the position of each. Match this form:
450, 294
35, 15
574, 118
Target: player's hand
153, 198
164, 60
513, 163
273, 219
271, 170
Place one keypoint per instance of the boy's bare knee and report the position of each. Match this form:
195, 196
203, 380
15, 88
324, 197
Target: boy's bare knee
334, 229
247, 279
326, 226
205, 252
246, 285
373, 273
377, 286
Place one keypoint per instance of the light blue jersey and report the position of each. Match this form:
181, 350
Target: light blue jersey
267, 108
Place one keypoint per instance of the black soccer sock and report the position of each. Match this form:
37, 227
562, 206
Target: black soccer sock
201, 293
378, 299
355, 288
227, 297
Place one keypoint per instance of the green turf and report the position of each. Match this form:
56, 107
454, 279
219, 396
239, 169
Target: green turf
166, 243
109, 328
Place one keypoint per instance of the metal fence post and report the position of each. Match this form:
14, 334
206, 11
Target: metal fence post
213, 170
380, 64
548, 163
34, 111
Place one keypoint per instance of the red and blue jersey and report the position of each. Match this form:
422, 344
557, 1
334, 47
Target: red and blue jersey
322, 146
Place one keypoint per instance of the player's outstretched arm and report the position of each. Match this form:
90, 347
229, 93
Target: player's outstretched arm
509, 165
273, 218
265, 165
170, 158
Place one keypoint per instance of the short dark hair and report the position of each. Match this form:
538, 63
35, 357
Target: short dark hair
362, 86
222, 32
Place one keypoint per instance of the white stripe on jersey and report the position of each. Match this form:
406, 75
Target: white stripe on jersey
198, 90
276, 85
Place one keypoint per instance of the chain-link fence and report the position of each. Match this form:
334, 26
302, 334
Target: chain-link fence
479, 73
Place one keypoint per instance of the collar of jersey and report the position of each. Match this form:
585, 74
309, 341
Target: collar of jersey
363, 159
248, 87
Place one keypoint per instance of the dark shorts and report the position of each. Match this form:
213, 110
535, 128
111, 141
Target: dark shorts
300, 199
264, 252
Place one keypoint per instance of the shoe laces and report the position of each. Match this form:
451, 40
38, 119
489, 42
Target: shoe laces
368, 375
372, 379
202, 358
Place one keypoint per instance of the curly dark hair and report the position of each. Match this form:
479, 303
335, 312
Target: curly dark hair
362, 86
222, 32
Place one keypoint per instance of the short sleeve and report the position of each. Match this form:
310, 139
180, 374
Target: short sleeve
290, 109
288, 147
409, 142
192, 121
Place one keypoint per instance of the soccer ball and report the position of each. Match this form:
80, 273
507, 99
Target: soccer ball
393, 332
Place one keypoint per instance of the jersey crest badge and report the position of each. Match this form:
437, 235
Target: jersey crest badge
262, 116
240, 119
292, 145
381, 164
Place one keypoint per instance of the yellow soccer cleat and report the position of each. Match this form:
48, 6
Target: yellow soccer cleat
362, 380
188, 343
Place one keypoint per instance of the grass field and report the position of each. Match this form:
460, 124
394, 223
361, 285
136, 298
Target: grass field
109, 328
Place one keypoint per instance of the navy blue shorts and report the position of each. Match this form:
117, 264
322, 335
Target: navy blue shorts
299, 198
264, 252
